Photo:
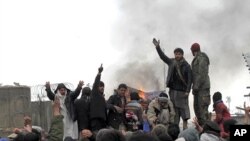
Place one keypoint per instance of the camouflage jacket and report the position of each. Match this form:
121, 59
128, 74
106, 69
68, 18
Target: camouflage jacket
200, 70
154, 111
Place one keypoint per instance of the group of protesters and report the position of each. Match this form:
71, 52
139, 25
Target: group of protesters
92, 118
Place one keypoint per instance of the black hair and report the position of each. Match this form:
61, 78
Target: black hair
122, 86
143, 137
162, 94
61, 85
228, 123
217, 96
110, 135
165, 137
101, 84
134, 96
211, 126
86, 91
27, 137
179, 50
173, 130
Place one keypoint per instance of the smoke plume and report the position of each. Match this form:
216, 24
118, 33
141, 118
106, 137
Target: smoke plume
222, 30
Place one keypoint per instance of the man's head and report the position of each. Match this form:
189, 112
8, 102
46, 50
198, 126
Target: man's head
109, 135
163, 99
143, 137
178, 54
217, 96
134, 96
195, 48
159, 129
212, 127
62, 89
228, 123
173, 130
122, 88
101, 87
86, 91
30, 136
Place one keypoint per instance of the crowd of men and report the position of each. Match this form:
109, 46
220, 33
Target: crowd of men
92, 118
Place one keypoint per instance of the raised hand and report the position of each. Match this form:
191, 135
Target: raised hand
156, 43
197, 125
100, 69
47, 84
81, 83
118, 109
56, 106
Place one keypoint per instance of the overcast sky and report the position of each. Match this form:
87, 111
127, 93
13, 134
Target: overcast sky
66, 41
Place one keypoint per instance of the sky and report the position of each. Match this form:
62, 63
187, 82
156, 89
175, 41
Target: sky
66, 41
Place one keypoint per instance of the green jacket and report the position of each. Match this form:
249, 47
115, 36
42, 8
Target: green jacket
56, 129
200, 70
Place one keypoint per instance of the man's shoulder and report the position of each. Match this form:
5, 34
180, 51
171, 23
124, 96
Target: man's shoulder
154, 103
185, 63
79, 101
202, 55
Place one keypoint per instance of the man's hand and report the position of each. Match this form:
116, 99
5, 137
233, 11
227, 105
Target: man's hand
81, 83
86, 133
156, 43
135, 117
17, 130
47, 85
27, 128
118, 109
100, 69
186, 94
197, 125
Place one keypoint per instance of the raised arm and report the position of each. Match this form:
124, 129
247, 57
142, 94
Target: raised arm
163, 57
96, 83
77, 91
50, 94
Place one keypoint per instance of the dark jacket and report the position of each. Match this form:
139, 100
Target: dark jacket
173, 79
97, 107
115, 118
69, 100
82, 113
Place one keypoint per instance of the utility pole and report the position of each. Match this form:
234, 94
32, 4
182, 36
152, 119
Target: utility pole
246, 56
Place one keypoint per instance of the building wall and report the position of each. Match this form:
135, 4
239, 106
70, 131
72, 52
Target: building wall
15, 104
41, 114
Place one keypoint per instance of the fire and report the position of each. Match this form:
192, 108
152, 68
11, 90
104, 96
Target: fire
141, 93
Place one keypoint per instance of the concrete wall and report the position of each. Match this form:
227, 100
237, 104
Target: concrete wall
15, 104
41, 114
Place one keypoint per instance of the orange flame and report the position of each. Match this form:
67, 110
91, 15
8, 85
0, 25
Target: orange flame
141, 93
